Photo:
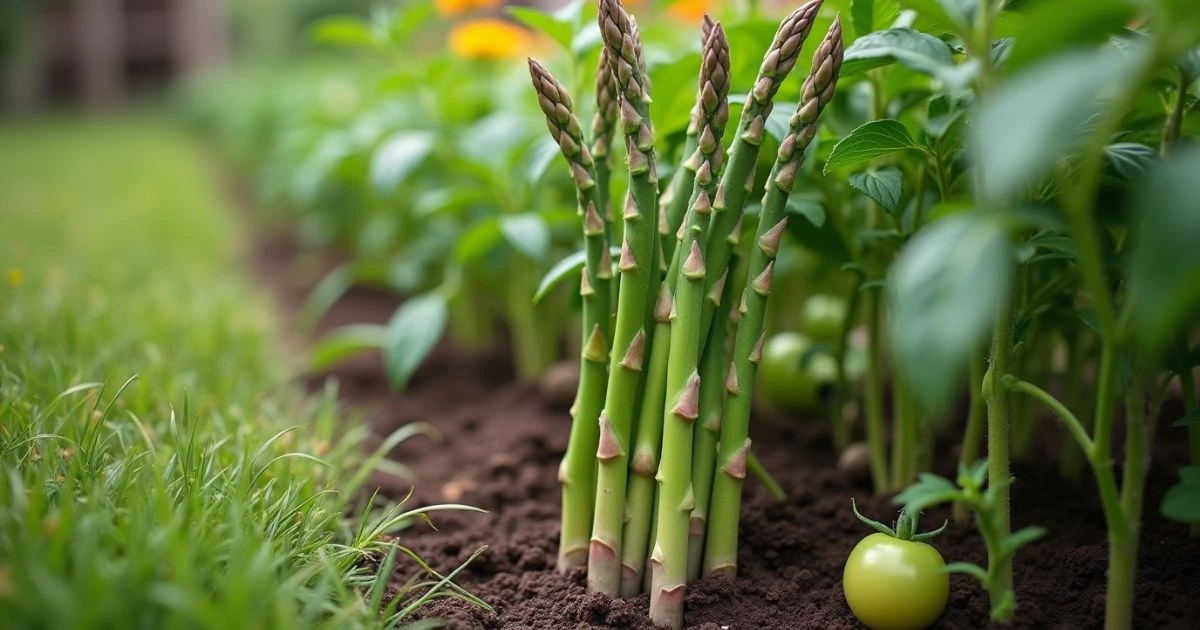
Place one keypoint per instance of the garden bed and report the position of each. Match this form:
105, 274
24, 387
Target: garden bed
500, 448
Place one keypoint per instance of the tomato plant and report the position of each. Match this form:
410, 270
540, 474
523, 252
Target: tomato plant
796, 373
894, 579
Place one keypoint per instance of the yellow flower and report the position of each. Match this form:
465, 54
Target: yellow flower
450, 8
15, 277
690, 11
488, 39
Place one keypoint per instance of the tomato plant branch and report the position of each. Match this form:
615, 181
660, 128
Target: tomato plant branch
997, 439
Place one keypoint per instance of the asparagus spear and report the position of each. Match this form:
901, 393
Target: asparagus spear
577, 473
726, 222
604, 127
638, 269
721, 546
674, 201
648, 439
669, 559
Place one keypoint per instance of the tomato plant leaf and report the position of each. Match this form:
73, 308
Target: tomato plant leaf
1020, 538
872, 140
397, 157
944, 290
1164, 274
914, 50
412, 332
528, 234
344, 342
1130, 160
928, 491
967, 568
1029, 123
1190, 418
884, 186
871, 15
1182, 500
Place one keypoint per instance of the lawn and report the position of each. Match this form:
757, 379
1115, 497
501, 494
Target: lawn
157, 467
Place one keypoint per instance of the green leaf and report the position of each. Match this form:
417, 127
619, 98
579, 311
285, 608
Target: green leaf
479, 239
884, 186
566, 268
1029, 123
1020, 538
914, 50
807, 223
342, 343
556, 28
1130, 160
1052, 26
411, 334
1190, 418
343, 30
528, 234
942, 112
538, 160
872, 140
1164, 274
328, 291
967, 568
397, 157
871, 15
928, 491
1182, 500
943, 291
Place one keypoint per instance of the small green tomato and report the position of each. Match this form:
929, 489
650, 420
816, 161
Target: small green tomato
893, 579
823, 317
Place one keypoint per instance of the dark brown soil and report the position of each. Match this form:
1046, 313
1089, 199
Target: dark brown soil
500, 447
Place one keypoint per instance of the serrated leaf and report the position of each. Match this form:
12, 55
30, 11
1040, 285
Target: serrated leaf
914, 50
967, 568
1182, 500
944, 290
884, 186
527, 233
1033, 120
556, 28
397, 157
343, 343
871, 140
1130, 160
1164, 272
928, 491
411, 334
343, 30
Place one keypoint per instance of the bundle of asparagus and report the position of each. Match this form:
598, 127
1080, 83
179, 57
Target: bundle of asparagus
658, 358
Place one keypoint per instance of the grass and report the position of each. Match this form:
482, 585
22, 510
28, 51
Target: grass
157, 470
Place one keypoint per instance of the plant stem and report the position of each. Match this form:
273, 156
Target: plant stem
1071, 457
997, 402
1122, 558
638, 270
534, 351
841, 429
876, 433
973, 435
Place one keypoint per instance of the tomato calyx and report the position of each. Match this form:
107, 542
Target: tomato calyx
905, 527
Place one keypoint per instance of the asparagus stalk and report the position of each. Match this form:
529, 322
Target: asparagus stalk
638, 270
604, 127
721, 546
676, 499
577, 474
648, 440
726, 222
674, 201
712, 405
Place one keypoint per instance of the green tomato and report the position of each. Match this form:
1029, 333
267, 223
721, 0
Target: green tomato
894, 584
823, 317
793, 375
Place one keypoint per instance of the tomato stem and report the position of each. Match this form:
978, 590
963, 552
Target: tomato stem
974, 431
998, 472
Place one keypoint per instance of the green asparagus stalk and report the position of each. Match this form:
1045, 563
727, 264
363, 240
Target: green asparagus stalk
604, 128
726, 222
674, 200
712, 406
648, 440
681, 407
721, 546
638, 270
577, 475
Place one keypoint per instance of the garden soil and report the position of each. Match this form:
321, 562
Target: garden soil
499, 444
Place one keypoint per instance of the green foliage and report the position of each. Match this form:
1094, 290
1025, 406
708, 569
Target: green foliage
1182, 501
411, 334
873, 140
